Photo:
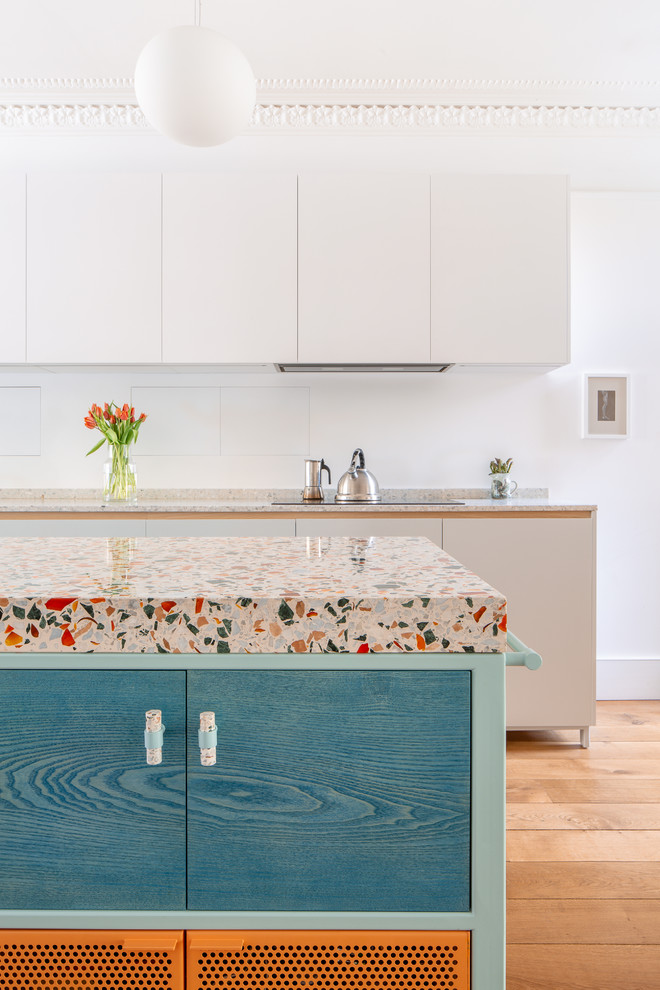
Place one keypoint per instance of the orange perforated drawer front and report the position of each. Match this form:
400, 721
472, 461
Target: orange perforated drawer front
37, 959
328, 960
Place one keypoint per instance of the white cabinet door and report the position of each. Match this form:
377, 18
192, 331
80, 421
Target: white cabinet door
499, 269
363, 527
12, 268
363, 268
94, 269
229, 267
545, 568
220, 527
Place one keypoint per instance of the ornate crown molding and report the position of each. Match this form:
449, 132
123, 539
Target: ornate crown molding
356, 106
366, 120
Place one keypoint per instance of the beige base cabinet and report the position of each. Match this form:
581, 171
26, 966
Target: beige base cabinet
546, 568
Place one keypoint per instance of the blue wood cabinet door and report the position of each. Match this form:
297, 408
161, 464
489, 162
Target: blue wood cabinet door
333, 791
84, 822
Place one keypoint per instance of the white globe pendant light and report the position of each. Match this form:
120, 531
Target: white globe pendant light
195, 86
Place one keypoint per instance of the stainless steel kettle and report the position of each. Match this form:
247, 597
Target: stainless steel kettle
357, 484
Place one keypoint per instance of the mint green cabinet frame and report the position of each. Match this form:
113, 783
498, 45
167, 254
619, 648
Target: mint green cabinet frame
486, 917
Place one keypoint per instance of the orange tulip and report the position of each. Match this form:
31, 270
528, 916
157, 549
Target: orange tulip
90, 423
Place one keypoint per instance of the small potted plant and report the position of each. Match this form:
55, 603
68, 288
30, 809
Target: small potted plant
119, 427
501, 484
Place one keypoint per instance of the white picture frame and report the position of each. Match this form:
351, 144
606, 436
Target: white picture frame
606, 413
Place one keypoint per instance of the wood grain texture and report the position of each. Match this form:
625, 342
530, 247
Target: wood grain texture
632, 710
614, 922
583, 967
583, 816
589, 880
564, 768
333, 790
614, 790
584, 855
517, 793
644, 750
549, 846
85, 823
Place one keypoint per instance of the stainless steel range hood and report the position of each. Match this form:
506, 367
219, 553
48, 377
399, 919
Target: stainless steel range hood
311, 368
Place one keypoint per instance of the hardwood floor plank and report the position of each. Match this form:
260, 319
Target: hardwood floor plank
583, 850
583, 967
591, 880
627, 733
583, 816
614, 790
564, 769
614, 922
628, 709
527, 794
626, 750
546, 846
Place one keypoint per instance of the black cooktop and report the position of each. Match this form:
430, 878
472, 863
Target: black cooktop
385, 500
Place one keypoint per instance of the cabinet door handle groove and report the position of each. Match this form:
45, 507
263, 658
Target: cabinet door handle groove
153, 736
208, 738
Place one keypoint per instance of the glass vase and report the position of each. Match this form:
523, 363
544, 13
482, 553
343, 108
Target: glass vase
502, 486
120, 475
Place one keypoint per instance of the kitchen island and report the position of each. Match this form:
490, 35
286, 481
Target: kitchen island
359, 798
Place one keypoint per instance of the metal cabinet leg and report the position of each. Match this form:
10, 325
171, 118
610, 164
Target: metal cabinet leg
585, 737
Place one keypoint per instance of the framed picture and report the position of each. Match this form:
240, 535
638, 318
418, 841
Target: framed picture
606, 406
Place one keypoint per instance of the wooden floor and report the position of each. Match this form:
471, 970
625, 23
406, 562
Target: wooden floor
583, 854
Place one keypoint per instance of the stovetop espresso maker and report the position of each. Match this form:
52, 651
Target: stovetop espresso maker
313, 490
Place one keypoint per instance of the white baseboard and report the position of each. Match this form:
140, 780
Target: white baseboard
627, 680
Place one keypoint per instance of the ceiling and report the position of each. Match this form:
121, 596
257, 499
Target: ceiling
385, 39
586, 74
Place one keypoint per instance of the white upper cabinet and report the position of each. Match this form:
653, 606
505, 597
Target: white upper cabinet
499, 269
94, 269
12, 268
229, 267
363, 268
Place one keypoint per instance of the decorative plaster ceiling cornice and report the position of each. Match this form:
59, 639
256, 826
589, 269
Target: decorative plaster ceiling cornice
356, 106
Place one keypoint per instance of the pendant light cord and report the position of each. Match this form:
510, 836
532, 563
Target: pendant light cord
198, 13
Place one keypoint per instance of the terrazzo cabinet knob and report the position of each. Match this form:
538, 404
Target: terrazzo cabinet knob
153, 736
208, 737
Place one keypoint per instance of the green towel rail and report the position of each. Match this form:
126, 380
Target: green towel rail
519, 655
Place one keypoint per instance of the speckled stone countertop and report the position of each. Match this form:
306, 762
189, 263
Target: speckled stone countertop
247, 595
247, 501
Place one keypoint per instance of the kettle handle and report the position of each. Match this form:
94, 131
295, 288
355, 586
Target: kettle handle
354, 466
324, 467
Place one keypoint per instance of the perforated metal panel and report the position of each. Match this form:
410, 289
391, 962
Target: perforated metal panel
328, 960
90, 960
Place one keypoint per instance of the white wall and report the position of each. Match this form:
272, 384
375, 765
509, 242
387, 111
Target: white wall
422, 431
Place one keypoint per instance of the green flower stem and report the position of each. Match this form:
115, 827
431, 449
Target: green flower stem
121, 484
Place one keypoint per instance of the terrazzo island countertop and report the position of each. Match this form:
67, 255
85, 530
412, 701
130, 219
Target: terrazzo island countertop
243, 595
231, 502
